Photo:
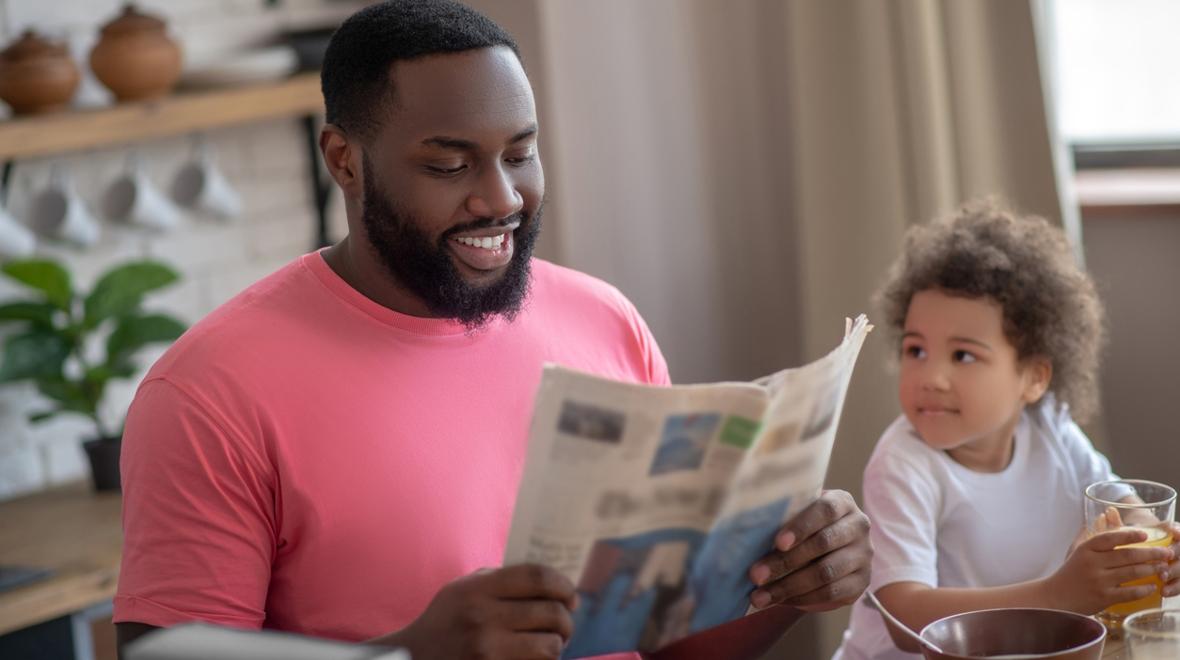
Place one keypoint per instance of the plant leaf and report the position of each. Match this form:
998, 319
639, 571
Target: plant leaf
44, 275
134, 332
121, 289
37, 418
40, 313
35, 354
68, 395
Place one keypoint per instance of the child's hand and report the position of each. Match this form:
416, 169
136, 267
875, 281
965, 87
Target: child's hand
1172, 578
1090, 578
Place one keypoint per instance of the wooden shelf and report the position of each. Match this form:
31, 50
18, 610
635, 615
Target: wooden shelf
1128, 191
71, 530
25, 137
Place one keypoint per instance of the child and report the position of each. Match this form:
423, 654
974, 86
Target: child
975, 493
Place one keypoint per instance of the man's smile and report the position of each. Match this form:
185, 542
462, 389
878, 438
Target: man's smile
485, 249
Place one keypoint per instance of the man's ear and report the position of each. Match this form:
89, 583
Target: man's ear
343, 160
1038, 373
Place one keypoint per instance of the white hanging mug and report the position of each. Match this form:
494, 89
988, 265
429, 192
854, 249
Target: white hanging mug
199, 185
56, 211
132, 198
15, 239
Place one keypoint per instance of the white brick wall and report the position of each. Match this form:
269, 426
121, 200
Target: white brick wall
265, 162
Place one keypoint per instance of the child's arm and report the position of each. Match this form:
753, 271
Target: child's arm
1087, 582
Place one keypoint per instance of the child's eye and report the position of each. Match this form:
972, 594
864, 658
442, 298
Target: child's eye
964, 357
916, 352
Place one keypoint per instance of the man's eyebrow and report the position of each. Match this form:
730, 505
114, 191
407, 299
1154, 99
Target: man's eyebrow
467, 145
530, 131
450, 143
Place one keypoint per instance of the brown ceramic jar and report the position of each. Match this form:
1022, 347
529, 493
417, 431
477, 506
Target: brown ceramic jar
37, 75
135, 58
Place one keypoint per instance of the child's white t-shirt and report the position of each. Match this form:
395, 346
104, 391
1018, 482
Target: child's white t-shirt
941, 524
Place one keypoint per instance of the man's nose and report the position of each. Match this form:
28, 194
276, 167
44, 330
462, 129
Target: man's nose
495, 195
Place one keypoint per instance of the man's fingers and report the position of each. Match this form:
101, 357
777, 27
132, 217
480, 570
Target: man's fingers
532, 581
529, 646
831, 506
536, 616
834, 536
812, 577
831, 596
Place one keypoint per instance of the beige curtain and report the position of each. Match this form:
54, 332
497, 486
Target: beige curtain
744, 170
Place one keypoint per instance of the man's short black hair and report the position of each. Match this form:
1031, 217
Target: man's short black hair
355, 78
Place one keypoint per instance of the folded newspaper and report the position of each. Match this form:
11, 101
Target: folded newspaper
656, 501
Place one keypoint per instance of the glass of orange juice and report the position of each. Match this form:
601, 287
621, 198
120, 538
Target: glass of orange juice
1134, 503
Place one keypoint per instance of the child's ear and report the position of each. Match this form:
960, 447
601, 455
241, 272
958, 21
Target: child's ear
1038, 372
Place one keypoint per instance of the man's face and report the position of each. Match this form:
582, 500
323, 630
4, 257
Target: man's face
453, 185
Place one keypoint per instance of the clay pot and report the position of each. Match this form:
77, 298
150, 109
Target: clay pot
135, 58
37, 75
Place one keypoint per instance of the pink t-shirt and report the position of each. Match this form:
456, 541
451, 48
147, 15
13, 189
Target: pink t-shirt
305, 459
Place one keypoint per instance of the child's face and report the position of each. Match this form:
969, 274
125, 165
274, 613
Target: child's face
962, 386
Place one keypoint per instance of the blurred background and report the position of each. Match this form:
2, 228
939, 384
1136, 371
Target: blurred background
742, 170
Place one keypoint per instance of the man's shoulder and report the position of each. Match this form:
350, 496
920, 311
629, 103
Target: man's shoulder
257, 317
547, 274
553, 282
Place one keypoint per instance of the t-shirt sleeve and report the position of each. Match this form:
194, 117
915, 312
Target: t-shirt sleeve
1089, 463
198, 516
657, 367
902, 503
654, 366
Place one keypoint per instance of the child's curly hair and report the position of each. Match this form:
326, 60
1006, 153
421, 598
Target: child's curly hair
1051, 308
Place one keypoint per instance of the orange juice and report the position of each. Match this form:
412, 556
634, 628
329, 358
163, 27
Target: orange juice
1156, 538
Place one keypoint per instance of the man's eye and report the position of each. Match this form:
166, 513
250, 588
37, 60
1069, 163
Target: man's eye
964, 357
521, 160
445, 170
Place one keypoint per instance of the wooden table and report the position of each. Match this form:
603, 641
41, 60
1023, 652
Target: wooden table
72, 531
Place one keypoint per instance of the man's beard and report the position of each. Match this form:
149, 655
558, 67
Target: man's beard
427, 269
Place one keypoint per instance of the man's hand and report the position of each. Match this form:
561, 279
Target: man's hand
1091, 577
520, 611
821, 559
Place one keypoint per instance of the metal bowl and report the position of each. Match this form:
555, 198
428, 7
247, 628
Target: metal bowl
1015, 633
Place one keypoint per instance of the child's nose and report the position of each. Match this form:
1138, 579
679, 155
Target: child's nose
935, 378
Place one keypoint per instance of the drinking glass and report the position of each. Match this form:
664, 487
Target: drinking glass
1132, 503
1153, 634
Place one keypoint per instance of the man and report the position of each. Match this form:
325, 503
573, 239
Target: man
336, 451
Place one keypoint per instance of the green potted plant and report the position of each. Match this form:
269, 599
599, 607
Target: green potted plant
59, 343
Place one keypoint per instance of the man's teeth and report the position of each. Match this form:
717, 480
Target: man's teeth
487, 242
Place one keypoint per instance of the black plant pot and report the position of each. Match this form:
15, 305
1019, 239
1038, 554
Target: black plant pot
104, 462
